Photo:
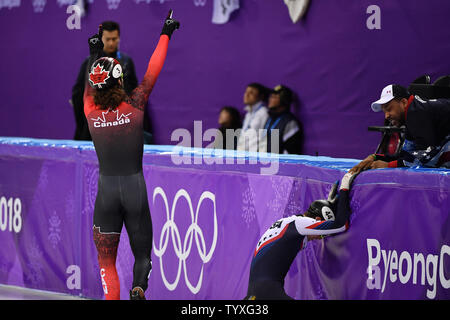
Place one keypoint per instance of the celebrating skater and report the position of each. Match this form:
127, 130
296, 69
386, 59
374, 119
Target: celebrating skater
116, 126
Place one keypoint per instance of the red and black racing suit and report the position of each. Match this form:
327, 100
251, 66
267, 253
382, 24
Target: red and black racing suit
122, 196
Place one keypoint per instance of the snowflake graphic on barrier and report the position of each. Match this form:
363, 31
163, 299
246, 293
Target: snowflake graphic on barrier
43, 178
54, 230
70, 206
309, 253
34, 274
90, 187
39, 5
355, 206
281, 187
248, 207
294, 205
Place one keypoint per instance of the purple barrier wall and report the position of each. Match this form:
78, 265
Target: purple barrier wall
207, 219
330, 58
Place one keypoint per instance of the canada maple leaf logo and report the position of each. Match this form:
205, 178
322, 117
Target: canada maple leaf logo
98, 76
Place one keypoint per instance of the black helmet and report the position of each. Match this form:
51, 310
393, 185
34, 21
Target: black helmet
286, 95
324, 209
105, 73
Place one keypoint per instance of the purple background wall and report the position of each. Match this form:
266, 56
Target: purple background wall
333, 62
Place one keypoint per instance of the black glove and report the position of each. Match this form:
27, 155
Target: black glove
170, 25
333, 194
95, 42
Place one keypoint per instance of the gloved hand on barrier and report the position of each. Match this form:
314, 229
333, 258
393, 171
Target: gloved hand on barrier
347, 180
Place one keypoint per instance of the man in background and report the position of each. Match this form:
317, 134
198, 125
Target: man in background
111, 41
290, 133
255, 97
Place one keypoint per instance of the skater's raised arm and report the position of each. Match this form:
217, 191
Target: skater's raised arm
140, 95
95, 51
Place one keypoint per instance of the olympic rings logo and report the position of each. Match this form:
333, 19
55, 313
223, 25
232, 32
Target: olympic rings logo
183, 249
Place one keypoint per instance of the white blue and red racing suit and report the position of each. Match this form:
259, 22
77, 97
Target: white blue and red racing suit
280, 244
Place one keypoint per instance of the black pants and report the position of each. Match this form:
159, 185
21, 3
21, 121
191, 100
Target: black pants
123, 200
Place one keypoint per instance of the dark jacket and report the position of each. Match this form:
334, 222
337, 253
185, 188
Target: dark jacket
130, 83
292, 143
427, 126
427, 122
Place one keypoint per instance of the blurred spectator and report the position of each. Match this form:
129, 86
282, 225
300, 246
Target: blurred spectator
255, 98
111, 41
229, 118
427, 137
290, 131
